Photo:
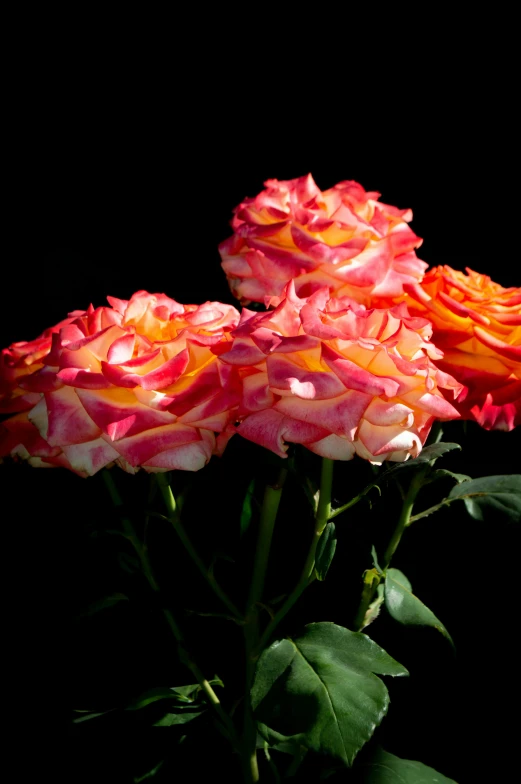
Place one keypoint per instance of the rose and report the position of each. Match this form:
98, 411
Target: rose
343, 238
477, 324
21, 439
338, 378
139, 383
22, 359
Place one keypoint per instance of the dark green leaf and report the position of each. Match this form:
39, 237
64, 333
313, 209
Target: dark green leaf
434, 451
151, 773
374, 556
371, 582
181, 715
106, 603
129, 563
184, 704
191, 691
153, 695
271, 737
405, 607
490, 497
113, 532
373, 611
88, 715
325, 551
182, 694
385, 768
247, 508
442, 473
268, 739
428, 453
322, 689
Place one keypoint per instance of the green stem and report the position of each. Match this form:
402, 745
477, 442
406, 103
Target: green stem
174, 518
249, 741
343, 508
354, 500
431, 510
184, 656
282, 612
268, 516
140, 550
436, 433
403, 521
323, 514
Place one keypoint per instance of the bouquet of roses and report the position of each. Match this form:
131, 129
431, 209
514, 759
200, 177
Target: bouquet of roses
326, 394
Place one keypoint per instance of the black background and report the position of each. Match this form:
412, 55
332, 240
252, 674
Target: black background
127, 181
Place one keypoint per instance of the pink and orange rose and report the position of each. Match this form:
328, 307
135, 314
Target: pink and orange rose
342, 238
339, 378
477, 324
139, 383
23, 359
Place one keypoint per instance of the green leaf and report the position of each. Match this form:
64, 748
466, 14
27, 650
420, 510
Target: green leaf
434, 451
181, 715
371, 581
405, 607
385, 768
322, 689
106, 603
151, 773
374, 556
88, 715
129, 563
191, 691
185, 704
442, 473
112, 532
247, 508
373, 611
428, 454
182, 694
267, 739
271, 737
153, 695
488, 497
325, 551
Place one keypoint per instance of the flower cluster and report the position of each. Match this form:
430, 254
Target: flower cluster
335, 364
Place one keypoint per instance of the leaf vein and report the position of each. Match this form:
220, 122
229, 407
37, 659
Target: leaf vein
329, 698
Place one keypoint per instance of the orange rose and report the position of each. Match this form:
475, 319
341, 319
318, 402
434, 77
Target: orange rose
477, 324
339, 379
343, 239
139, 383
